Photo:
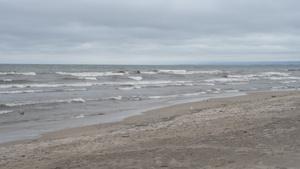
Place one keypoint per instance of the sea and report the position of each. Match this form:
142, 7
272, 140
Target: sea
35, 99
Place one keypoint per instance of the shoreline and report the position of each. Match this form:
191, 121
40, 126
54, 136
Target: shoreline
174, 130
132, 114
141, 116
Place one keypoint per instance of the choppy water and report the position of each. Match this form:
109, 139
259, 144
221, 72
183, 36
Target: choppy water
55, 97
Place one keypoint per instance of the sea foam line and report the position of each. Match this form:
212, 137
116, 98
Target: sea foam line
45, 85
135, 83
39, 91
5, 111
182, 72
76, 100
89, 74
18, 73
138, 78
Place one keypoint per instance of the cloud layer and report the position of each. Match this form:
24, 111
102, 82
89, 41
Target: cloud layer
148, 31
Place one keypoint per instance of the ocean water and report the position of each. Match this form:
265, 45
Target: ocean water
40, 98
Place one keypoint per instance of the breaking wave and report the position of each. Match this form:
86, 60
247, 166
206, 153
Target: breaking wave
138, 78
18, 73
5, 111
45, 85
90, 74
182, 72
76, 100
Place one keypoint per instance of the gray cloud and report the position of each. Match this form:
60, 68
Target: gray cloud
148, 32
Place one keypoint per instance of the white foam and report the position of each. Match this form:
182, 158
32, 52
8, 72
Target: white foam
283, 78
155, 97
76, 100
116, 98
185, 72
194, 94
135, 98
149, 73
18, 73
7, 80
161, 97
79, 116
5, 111
45, 85
80, 100
21, 91
181, 95
138, 78
129, 88
148, 83
274, 74
137, 84
126, 88
214, 91
232, 91
39, 91
172, 71
288, 82
249, 76
90, 74
232, 79
237, 83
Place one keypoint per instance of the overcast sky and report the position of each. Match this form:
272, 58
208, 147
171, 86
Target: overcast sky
148, 31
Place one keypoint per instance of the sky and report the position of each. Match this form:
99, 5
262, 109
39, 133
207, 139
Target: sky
148, 31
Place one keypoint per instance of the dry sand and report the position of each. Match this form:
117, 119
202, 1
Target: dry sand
259, 130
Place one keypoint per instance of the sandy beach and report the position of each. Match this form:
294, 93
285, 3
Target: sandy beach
259, 130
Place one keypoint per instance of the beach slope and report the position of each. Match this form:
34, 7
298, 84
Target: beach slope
259, 130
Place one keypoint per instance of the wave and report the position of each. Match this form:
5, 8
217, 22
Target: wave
145, 84
135, 84
79, 116
250, 77
162, 97
5, 111
214, 91
129, 88
39, 91
76, 100
138, 78
288, 82
90, 74
148, 83
195, 94
182, 72
116, 98
6, 80
18, 73
21, 91
45, 85
232, 91
264, 74
133, 98
232, 79
283, 78
181, 95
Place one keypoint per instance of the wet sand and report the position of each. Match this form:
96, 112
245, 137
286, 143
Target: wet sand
260, 130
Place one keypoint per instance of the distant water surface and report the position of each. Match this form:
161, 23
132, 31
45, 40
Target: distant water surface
54, 97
